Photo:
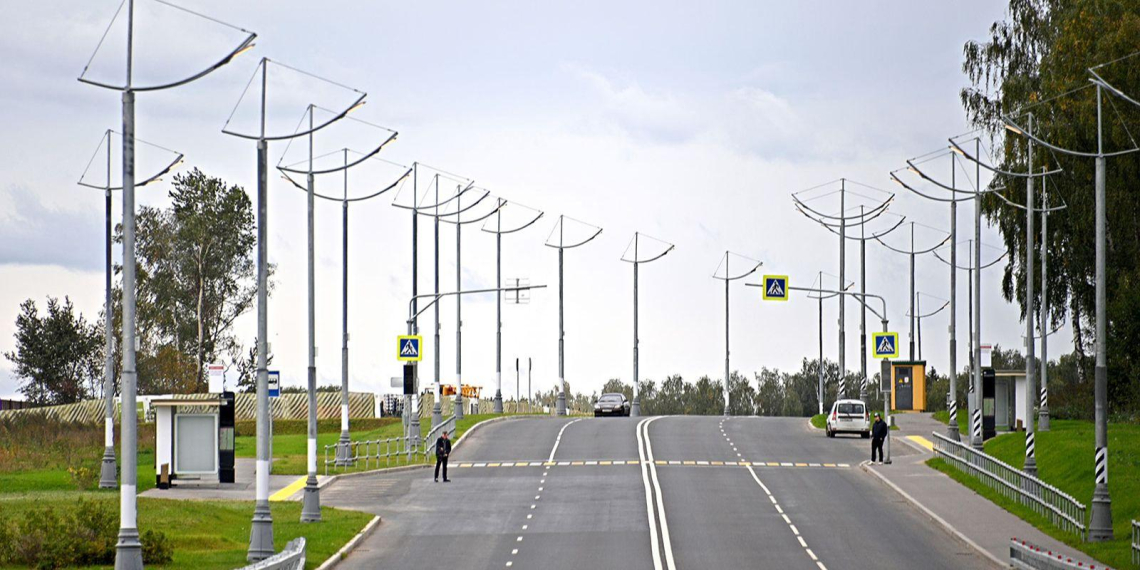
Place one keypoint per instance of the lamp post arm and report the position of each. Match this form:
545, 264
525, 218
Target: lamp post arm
413, 313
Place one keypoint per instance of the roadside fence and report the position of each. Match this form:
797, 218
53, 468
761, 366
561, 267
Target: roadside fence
1062, 510
1136, 542
1026, 556
377, 453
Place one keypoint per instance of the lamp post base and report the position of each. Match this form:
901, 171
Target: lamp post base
498, 405
560, 405
459, 406
1100, 523
436, 414
261, 534
344, 450
635, 409
108, 472
1043, 420
128, 551
311, 501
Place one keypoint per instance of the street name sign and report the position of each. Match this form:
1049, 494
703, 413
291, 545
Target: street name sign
775, 287
409, 348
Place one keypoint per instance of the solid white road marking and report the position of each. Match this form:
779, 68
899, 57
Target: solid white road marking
667, 544
654, 547
558, 439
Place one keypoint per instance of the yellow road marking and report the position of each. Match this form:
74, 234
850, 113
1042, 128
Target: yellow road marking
688, 463
288, 491
718, 463
493, 464
522, 464
659, 462
461, 465
577, 463
744, 464
773, 464
801, 465
829, 465
922, 441
605, 463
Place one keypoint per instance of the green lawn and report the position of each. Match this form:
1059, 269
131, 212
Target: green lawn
1065, 460
58, 479
963, 417
212, 534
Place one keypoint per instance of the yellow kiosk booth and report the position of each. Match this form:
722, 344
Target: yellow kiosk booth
909, 382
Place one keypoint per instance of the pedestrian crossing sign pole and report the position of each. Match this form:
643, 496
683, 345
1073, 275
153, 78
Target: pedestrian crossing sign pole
886, 344
408, 348
775, 287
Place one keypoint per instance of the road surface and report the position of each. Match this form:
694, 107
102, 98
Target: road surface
659, 493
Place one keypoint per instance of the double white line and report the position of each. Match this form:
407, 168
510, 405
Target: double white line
655, 510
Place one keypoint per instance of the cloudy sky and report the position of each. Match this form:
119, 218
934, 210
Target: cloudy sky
690, 122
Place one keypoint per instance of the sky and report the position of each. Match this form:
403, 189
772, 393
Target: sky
689, 122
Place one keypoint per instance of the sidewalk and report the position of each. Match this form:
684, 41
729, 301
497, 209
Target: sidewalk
967, 515
241, 489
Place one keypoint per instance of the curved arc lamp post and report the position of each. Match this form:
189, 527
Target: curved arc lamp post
499, 232
108, 470
432, 210
635, 408
261, 534
820, 391
562, 246
459, 222
728, 278
862, 239
844, 221
128, 549
1100, 522
311, 503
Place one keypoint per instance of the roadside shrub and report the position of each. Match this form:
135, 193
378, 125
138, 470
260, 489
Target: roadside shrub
84, 534
82, 477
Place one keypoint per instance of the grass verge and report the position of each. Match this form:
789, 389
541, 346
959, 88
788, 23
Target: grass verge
212, 534
944, 417
1065, 460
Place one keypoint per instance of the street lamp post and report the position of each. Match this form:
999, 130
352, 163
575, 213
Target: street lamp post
560, 405
911, 254
728, 277
261, 533
635, 408
499, 231
128, 549
108, 471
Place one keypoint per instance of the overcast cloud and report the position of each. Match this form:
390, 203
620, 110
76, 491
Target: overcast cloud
690, 122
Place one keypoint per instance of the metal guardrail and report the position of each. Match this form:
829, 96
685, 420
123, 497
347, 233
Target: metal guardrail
291, 558
371, 453
1136, 542
1062, 510
1026, 556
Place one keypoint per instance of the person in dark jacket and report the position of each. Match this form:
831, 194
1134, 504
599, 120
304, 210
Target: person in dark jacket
878, 434
442, 450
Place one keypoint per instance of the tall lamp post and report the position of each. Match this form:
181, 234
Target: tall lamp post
532, 217
918, 307
562, 246
261, 533
843, 220
128, 549
311, 506
912, 253
635, 409
108, 471
820, 390
1100, 525
753, 265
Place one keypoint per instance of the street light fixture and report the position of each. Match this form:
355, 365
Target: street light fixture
635, 409
108, 471
531, 216
311, 504
562, 246
1100, 525
918, 307
128, 549
261, 533
912, 253
729, 277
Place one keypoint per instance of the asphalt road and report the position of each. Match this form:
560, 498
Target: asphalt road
647, 493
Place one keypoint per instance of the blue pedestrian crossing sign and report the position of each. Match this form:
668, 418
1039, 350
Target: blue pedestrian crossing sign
775, 287
885, 344
409, 348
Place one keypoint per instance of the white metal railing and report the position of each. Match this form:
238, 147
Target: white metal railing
1062, 510
1136, 542
292, 557
1027, 556
372, 453
429, 441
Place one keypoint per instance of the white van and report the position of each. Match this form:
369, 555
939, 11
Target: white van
849, 416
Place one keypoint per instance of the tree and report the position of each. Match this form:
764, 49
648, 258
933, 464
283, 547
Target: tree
1037, 57
196, 276
740, 396
59, 355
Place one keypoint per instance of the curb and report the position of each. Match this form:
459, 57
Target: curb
336, 558
941, 522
